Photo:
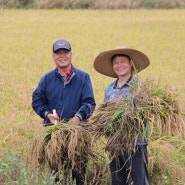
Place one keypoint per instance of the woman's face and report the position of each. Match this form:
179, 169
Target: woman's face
122, 66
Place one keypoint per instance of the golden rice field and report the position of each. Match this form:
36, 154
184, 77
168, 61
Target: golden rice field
26, 38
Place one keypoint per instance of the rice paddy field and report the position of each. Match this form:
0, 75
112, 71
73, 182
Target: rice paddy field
26, 38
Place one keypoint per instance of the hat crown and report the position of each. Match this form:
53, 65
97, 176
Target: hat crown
61, 44
120, 47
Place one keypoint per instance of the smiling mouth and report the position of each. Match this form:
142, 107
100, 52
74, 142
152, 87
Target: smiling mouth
120, 70
62, 60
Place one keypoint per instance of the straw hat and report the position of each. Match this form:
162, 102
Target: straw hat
103, 63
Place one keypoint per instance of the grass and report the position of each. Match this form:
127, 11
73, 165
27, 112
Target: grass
15, 171
26, 38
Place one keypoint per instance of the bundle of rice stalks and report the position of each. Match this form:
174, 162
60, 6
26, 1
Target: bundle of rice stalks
163, 109
150, 109
69, 149
64, 147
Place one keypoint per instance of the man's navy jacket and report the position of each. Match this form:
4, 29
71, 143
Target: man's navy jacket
69, 98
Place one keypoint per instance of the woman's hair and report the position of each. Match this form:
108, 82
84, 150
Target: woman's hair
120, 55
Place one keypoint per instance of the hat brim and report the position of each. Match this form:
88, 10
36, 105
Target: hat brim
58, 48
103, 63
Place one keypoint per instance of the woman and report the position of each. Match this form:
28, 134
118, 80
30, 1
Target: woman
122, 63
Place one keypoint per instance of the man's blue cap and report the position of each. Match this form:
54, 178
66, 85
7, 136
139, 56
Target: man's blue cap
61, 44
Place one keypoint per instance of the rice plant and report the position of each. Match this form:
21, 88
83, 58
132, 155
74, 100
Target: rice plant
157, 113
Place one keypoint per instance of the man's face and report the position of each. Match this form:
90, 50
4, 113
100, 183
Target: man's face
122, 66
62, 58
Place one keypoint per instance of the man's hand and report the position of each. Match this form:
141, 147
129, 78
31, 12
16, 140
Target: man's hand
75, 120
53, 118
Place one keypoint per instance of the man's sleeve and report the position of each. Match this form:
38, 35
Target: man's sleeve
88, 102
39, 101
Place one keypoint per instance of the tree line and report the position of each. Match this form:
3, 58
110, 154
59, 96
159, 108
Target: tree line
92, 4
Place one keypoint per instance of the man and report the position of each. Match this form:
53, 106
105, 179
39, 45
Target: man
122, 63
65, 89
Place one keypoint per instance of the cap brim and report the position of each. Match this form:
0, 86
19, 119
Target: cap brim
69, 49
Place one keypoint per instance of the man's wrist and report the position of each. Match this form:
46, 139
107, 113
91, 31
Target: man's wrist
46, 113
79, 116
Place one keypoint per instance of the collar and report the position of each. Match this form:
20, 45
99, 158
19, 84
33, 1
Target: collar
126, 84
66, 75
69, 73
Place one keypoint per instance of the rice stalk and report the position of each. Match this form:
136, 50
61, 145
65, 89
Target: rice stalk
163, 108
68, 148
158, 112
98, 171
166, 161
